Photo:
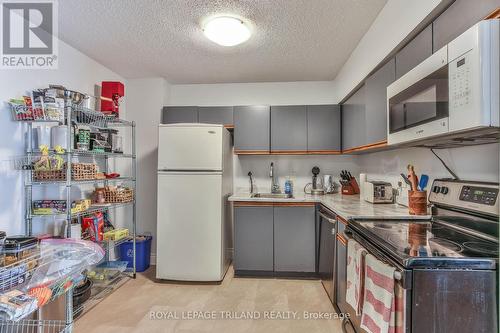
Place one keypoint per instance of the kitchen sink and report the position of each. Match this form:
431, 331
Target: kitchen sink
272, 195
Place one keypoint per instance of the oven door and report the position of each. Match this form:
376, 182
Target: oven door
417, 103
402, 288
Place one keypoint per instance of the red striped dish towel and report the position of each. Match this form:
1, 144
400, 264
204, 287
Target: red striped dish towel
355, 275
379, 304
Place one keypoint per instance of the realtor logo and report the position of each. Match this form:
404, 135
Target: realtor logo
29, 34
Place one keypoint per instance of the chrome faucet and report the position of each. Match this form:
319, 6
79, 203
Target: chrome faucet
275, 187
251, 181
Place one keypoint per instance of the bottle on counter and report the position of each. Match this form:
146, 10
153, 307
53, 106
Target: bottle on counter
288, 186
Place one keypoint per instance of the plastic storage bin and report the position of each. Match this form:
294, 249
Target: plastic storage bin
143, 252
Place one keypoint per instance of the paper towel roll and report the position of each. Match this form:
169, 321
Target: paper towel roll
362, 180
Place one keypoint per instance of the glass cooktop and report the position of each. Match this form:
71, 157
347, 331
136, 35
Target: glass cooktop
415, 243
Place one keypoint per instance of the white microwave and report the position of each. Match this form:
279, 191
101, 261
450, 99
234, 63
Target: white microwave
455, 90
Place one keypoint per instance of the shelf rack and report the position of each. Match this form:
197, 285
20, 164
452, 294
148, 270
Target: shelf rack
77, 115
40, 272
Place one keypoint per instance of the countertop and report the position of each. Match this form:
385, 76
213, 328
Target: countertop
346, 206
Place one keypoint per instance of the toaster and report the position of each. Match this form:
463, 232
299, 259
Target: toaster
377, 192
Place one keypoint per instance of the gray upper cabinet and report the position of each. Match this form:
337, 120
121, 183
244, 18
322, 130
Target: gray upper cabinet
323, 128
416, 51
353, 121
460, 16
294, 239
376, 102
288, 128
252, 129
222, 115
253, 238
179, 114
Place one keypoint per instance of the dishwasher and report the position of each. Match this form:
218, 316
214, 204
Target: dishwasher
326, 253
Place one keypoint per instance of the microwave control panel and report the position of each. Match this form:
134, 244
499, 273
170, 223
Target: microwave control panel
460, 82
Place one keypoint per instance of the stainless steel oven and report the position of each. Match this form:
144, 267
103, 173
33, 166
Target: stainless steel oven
403, 279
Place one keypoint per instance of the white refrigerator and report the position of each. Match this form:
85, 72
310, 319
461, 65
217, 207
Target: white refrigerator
194, 217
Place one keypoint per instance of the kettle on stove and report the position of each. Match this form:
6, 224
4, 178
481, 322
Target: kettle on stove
316, 187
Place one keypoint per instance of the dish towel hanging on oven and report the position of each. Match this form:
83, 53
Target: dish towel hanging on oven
355, 275
379, 304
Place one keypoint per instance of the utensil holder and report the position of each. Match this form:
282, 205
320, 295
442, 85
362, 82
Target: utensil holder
417, 202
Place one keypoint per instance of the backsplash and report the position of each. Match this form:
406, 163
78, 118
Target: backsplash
298, 166
479, 163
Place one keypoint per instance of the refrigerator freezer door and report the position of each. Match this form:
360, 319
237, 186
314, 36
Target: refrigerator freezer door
190, 147
190, 226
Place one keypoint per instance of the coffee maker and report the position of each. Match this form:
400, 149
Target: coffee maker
316, 186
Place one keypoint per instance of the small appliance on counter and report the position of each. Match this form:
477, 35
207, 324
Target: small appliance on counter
377, 192
329, 184
349, 184
317, 186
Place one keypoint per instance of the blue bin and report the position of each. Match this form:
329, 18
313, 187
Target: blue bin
142, 256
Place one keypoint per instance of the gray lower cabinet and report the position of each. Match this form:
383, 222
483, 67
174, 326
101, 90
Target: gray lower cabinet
179, 114
323, 128
222, 115
353, 121
376, 102
460, 16
416, 51
253, 238
294, 239
288, 128
252, 129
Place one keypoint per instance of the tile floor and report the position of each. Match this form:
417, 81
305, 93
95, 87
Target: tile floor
131, 308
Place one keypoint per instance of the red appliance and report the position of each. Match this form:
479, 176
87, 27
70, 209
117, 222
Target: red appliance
111, 93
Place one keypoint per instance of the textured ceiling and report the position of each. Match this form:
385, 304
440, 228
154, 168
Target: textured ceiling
293, 40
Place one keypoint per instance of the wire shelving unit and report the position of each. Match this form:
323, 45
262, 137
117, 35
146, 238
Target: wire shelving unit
77, 115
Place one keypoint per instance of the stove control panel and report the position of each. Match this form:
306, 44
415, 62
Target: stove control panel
476, 196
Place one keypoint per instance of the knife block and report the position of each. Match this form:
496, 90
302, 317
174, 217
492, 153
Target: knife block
351, 188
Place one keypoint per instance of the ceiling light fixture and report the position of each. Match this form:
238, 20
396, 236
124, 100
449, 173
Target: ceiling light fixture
226, 31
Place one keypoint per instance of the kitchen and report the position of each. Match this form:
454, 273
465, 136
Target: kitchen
253, 172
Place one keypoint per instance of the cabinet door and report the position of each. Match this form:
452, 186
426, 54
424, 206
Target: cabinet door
376, 102
323, 128
459, 17
253, 238
222, 115
294, 239
179, 114
251, 129
288, 128
353, 121
416, 51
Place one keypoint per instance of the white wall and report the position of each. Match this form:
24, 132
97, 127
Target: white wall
395, 21
276, 93
145, 98
469, 163
76, 71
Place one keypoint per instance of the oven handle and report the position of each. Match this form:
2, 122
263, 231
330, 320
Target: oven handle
398, 274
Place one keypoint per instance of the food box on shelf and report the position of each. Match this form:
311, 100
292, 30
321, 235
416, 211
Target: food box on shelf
116, 234
49, 207
106, 271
